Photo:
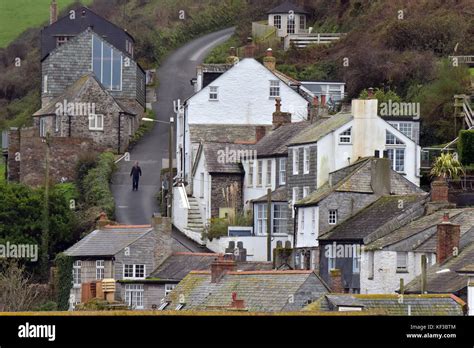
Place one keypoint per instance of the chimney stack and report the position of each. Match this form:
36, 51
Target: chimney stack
269, 61
220, 267
53, 12
280, 118
260, 132
439, 190
448, 235
237, 304
250, 48
232, 58
380, 176
335, 281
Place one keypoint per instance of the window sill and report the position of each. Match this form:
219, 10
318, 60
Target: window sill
402, 271
96, 130
345, 143
213, 100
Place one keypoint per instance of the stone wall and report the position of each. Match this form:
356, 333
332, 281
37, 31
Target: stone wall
219, 192
14, 157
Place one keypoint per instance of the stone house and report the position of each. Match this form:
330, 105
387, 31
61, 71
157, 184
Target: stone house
224, 288
398, 255
348, 191
92, 94
122, 253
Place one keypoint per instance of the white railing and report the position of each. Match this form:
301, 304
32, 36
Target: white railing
306, 39
462, 59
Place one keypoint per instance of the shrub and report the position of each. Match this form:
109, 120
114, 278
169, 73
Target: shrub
466, 147
64, 280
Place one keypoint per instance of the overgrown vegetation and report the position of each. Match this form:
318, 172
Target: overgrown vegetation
63, 280
218, 227
466, 147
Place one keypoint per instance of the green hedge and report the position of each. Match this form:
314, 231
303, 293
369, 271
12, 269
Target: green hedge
466, 147
95, 185
63, 283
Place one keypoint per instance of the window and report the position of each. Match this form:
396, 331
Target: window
213, 93
331, 259
280, 218
403, 127
345, 137
99, 269
402, 262
133, 271
261, 218
277, 21
259, 173
42, 127
61, 40
391, 139
282, 171
305, 191
370, 255
332, 220
106, 64
45, 84
397, 159
355, 258
306, 160
269, 173
296, 161
302, 22
250, 176
134, 295
169, 288
274, 88
76, 272
96, 122
313, 220
290, 27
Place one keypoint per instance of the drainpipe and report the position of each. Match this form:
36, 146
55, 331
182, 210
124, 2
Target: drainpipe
119, 126
294, 227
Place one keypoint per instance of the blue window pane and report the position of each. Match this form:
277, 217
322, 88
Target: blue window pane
97, 57
116, 70
107, 66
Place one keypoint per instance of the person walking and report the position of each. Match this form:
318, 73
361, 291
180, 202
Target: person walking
135, 174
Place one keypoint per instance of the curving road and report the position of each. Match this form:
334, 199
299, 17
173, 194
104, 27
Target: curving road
137, 207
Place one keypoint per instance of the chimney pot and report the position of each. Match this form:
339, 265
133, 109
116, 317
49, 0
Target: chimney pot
220, 267
250, 48
370, 92
336, 281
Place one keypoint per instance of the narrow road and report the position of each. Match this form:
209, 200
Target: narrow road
137, 207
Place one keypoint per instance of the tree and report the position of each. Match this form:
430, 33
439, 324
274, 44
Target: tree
17, 293
446, 167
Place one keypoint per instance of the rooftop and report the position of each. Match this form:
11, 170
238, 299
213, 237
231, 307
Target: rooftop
278, 195
275, 143
286, 7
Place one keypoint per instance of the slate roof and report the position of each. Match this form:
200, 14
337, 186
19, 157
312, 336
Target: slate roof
275, 143
108, 241
78, 92
420, 231
318, 130
286, 7
216, 157
381, 217
215, 68
420, 305
224, 133
262, 291
178, 265
443, 278
278, 195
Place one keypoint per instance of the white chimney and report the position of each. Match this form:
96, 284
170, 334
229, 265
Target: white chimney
365, 134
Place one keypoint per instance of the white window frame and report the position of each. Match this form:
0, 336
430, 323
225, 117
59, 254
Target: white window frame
261, 219
94, 123
279, 221
201, 185
402, 261
213, 93
169, 288
294, 198
296, 161
274, 88
277, 21
331, 259
99, 269
290, 25
313, 220
282, 171
302, 211
302, 22
42, 127
355, 259
45, 84
345, 137
269, 173
112, 54
393, 153
306, 158
134, 271
134, 296
406, 128
259, 173
305, 191
250, 174
76, 273
332, 216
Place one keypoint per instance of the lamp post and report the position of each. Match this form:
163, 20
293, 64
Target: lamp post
170, 163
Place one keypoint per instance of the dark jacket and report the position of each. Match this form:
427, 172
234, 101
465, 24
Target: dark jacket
136, 172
